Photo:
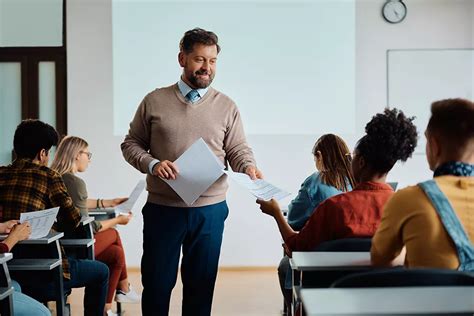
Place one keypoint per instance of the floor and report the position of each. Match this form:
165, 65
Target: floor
238, 292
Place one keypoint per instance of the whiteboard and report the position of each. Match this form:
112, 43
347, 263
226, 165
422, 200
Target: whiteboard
417, 77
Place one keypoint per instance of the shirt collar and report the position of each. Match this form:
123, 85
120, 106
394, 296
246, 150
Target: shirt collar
370, 185
184, 89
455, 168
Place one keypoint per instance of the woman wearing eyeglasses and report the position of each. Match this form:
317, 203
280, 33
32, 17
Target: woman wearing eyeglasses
73, 156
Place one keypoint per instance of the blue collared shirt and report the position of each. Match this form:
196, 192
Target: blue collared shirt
184, 89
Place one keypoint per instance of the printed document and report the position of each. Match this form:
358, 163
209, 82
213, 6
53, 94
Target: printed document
261, 189
127, 206
40, 221
198, 169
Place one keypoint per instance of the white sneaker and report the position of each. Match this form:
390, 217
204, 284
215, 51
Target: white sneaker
129, 297
110, 313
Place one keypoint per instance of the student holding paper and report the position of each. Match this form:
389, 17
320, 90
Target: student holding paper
73, 156
29, 185
168, 121
390, 136
23, 305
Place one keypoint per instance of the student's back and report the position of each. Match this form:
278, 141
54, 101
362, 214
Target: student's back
415, 216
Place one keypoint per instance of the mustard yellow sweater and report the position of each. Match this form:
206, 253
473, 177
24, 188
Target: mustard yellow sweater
410, 220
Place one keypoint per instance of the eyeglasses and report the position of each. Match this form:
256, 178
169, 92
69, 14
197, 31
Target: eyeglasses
88, 153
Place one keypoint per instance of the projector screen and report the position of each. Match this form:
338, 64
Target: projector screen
288, 65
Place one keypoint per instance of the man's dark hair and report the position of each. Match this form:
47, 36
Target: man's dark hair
390, 136
31, 136
198, 36
452, 123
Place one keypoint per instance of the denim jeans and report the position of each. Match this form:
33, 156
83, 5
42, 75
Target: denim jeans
91, 274
23, 305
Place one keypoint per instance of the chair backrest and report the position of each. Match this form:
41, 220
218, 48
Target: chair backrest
406, 277
346, 244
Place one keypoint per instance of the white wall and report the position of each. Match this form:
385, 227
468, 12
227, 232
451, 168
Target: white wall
250, 239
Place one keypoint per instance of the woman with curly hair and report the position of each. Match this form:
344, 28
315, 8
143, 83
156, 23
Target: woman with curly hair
390, 136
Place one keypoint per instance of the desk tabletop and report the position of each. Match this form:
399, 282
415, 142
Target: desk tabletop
86, 220
4, 257
434, 300
313, 261
51, 237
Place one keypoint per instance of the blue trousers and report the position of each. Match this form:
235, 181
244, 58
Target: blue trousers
91, 274
198, 231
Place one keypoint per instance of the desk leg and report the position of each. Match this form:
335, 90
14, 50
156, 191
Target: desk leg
60, 305
6, 306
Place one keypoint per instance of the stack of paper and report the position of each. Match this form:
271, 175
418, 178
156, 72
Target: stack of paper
40, 221
127, 206
199, 168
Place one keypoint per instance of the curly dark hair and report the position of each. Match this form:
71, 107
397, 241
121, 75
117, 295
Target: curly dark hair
198, 36
390, 136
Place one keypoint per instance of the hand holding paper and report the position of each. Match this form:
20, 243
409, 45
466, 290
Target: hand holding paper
40, 221
261, 189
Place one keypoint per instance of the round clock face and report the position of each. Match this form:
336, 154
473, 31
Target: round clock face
394, 11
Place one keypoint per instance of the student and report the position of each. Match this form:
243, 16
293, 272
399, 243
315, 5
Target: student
73, 156
28, 185
390, 136
417, 217
334, 176
23, 305
333, 162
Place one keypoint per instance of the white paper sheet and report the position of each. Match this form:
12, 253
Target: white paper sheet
261, 189
40, 221
127, 206
198, 168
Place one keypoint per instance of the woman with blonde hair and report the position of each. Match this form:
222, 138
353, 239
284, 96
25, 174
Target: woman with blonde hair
73, 156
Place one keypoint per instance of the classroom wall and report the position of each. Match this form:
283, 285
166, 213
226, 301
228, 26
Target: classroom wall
251, 238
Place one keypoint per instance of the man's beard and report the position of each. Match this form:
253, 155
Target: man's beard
198, 82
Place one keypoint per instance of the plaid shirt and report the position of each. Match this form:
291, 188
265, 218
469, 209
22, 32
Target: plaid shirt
26, 186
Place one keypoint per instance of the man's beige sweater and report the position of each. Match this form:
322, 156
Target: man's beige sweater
166, 124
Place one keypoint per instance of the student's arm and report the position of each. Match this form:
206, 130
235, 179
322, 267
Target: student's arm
17, 233
273, 209
387, 243
317, 229
119, 220
104, 203
300, 208
69, 216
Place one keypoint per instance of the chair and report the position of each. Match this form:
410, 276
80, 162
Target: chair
6, 289
398, 277
323, 279
346, 244
38, 261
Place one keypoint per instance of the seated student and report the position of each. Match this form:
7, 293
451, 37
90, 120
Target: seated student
434, 220
23, 305
333, 161
390, 137
73, 156
28, 185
